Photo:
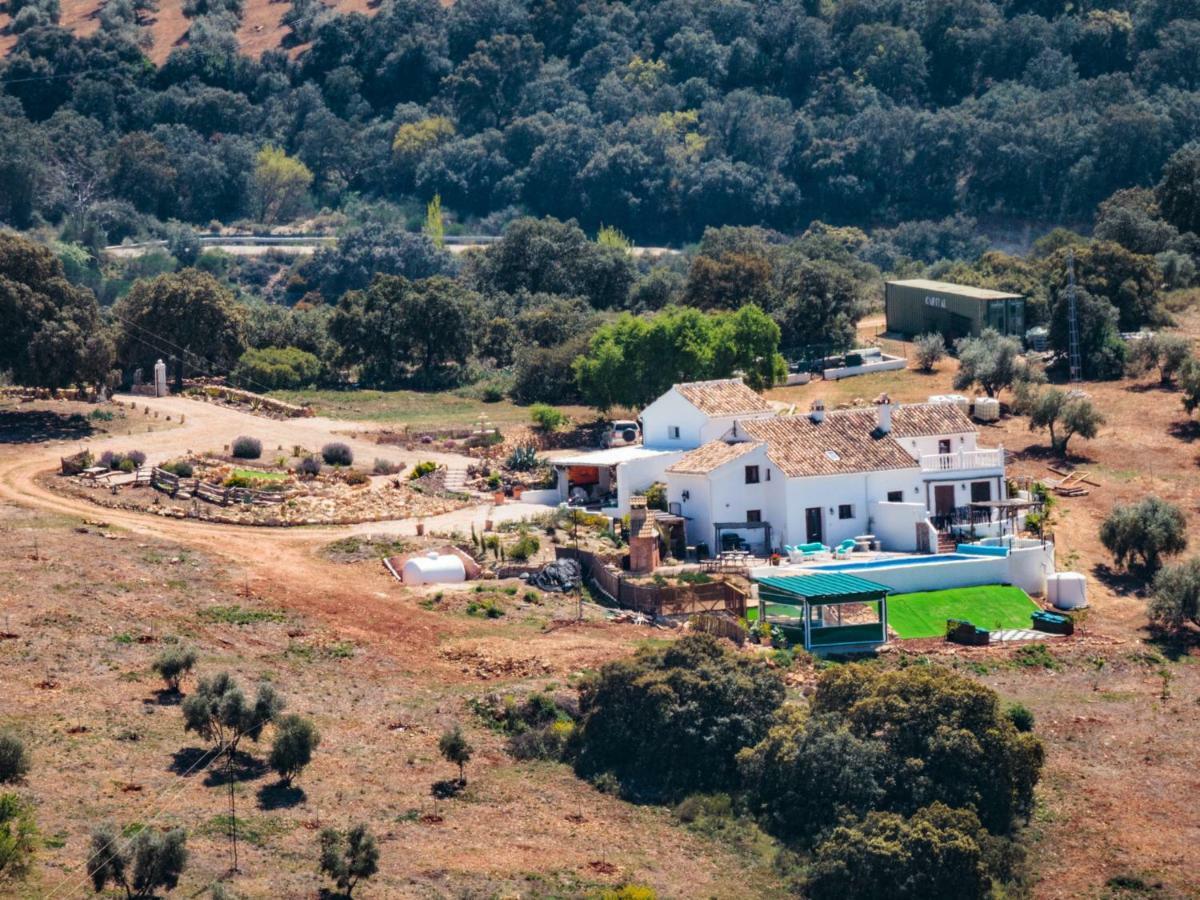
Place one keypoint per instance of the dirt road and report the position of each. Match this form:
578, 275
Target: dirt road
282, 561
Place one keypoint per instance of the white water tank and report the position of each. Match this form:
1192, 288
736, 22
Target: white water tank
1067, 590
987, 409
953, 399
433, 568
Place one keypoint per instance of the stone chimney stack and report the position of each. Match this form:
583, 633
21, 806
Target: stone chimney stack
884, 407
816, 412
643, 538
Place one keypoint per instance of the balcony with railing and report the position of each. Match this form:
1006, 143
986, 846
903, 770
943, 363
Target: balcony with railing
963, 459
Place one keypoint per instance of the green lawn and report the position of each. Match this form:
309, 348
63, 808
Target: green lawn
259, 474
924, 614
433, 409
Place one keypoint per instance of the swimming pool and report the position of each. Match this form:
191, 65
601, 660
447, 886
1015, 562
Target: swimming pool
932, 559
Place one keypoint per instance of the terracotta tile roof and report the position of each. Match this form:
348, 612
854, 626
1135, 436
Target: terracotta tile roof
726, 397
711, 456
847, 441
928, 419
842, 444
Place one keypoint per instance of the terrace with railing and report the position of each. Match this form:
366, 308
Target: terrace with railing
963, 459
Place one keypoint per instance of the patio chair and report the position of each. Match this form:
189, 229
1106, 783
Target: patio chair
804, 552
845, 548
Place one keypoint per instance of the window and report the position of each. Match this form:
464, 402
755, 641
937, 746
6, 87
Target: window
846, 511
895, 497
981, 491
944, 446
751, 474
673, 432
754, 515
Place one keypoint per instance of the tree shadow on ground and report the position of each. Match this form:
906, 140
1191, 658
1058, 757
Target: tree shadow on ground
447, 789
190, 760
1149, 387
166, 697
280, 796
1186, 430
1174, 645
1046, 453
1120, 581
38, 426
244, 768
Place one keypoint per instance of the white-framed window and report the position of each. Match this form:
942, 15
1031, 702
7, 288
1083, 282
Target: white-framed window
673, 432
846, 511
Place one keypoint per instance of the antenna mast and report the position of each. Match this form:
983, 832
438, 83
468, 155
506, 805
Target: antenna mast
1073, 321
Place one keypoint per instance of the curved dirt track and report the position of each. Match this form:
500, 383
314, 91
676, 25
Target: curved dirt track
279, 563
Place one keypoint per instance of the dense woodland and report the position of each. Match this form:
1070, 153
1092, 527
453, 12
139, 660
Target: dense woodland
808, 147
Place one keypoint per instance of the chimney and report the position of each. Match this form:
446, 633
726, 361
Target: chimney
643, 538
816, 412
883, 406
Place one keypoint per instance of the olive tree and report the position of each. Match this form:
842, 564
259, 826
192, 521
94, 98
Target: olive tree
1166, 352
930, 350
151, 861
292, 746
219, 712
992, 360
1175, 596
18, 836
1147, 530
1065, 416
350, 857
456, 749
173, 665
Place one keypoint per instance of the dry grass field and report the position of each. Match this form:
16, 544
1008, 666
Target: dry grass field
88, 599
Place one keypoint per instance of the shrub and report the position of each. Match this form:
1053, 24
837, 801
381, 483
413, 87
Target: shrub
14, 758
456, 749
630, 715
337, 454
180, 467
421, 469
152, 861
137, 457
355, 477
349, 858
1149, 529
930, 349
547, 417
939, 852
127, 465
656, 496
247, 448
386, 467
522, 459
18, 836
524, 547
1021, 716
173, 665
1175, 596
310, 466
275, 368
292, 746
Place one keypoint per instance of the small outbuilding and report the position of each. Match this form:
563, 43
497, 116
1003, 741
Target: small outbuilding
839, 613
919, 306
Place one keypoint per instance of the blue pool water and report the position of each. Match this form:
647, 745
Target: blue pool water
932, 559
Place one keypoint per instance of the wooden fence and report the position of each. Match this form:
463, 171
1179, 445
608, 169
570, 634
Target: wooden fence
653, 599
172, 484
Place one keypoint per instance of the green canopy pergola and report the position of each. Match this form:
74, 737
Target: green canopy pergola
813, 593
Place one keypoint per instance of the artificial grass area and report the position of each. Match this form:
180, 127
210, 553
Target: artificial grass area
259, 474
924, 615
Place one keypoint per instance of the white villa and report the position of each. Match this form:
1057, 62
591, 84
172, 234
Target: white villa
739, 473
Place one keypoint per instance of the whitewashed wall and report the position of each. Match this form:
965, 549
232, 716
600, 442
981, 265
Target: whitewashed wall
895, 524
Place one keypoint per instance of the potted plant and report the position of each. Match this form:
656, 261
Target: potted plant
774, 559
518, 490
765, 634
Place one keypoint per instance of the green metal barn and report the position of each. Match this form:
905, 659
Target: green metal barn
917, 306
